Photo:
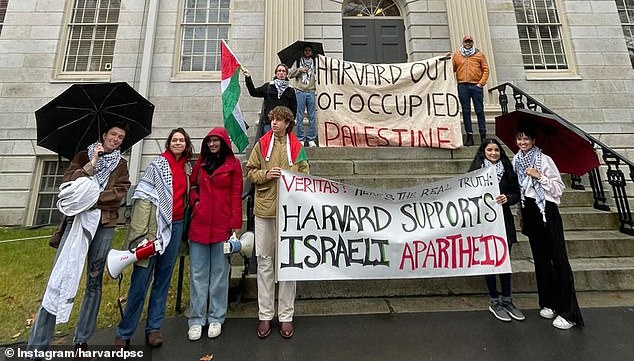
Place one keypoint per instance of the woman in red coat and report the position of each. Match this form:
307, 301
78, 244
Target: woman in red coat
217, 212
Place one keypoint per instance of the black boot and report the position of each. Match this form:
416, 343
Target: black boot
483, 136
469, 140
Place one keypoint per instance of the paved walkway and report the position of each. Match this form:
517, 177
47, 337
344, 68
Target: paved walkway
457, 335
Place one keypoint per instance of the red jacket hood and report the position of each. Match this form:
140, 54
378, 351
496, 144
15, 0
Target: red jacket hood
218, 132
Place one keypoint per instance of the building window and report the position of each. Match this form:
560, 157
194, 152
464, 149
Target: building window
46, 207
90, 36
540, 33
626, 13
370, 8
3, 12
202, 25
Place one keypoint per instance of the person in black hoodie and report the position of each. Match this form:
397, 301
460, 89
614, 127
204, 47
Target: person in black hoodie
491, 154
277, 92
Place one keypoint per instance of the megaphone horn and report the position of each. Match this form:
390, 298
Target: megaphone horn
118, 261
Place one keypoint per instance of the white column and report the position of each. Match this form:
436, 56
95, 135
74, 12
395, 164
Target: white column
283, 24
470, 18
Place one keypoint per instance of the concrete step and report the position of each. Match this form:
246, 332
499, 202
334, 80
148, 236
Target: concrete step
591, 274
585, 244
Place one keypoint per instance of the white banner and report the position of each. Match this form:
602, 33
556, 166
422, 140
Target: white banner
330, 230
387, 105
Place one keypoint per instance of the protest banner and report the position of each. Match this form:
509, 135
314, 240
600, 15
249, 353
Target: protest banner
387, 105
330, 230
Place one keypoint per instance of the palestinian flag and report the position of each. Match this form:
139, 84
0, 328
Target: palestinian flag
230, 87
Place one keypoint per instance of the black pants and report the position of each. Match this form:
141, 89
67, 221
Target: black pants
555, 282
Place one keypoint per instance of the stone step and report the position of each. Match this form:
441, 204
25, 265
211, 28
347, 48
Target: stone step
591, 274
585, 244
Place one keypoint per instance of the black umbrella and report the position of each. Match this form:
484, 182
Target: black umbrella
78, 117
289, 54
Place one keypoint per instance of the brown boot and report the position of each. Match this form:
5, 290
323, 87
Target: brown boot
154, 338
120, 344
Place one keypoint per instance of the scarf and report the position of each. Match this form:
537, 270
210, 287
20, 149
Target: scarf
105, 165
499, 168
280, 85
156, 187
308, 64
468, 52
295, 152
521, 162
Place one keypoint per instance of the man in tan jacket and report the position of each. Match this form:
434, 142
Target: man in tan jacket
472, 72
269, 156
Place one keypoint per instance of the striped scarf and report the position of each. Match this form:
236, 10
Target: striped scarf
521, 162
105, 165
499, 168
156, 187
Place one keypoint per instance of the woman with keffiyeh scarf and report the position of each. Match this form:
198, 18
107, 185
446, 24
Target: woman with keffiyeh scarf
491, 154
277, 92
158, 213
541, 189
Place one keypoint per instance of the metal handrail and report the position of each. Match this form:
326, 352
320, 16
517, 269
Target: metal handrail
612, 159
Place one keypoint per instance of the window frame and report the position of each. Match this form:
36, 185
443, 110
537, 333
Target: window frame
37, 184
77, 76
627, 26
4, 4
552, 74
179, 75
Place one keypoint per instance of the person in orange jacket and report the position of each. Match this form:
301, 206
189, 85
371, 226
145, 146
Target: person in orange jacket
472, 72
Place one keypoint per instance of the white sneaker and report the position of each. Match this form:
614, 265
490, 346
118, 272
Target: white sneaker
214, 329
312, 144
547, 313
563, 324
195, 332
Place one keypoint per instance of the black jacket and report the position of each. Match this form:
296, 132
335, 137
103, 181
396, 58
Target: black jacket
269, 93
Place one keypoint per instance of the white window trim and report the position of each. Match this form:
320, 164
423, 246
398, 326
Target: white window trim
60, 76
179, 76
558, 74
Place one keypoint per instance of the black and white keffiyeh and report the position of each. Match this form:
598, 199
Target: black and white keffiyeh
308, 64
468, 52
156, 187
499, 168
105, 164
280, 85
521, 162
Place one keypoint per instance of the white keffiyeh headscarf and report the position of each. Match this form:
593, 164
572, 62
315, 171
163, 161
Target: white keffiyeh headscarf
308, 64
280, 85
468, 52
521, 162
499, 168
156, 187
105, 164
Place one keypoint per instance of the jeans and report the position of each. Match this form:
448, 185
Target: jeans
466, 92
159, 273
44, 327
209, 283
505, 281
306, 100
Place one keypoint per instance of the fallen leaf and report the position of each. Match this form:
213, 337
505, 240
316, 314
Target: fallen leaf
16, 335
207, 358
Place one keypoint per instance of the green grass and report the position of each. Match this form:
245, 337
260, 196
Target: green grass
25, 266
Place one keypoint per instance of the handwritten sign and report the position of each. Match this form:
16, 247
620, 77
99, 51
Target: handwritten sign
387, 105
330, 230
